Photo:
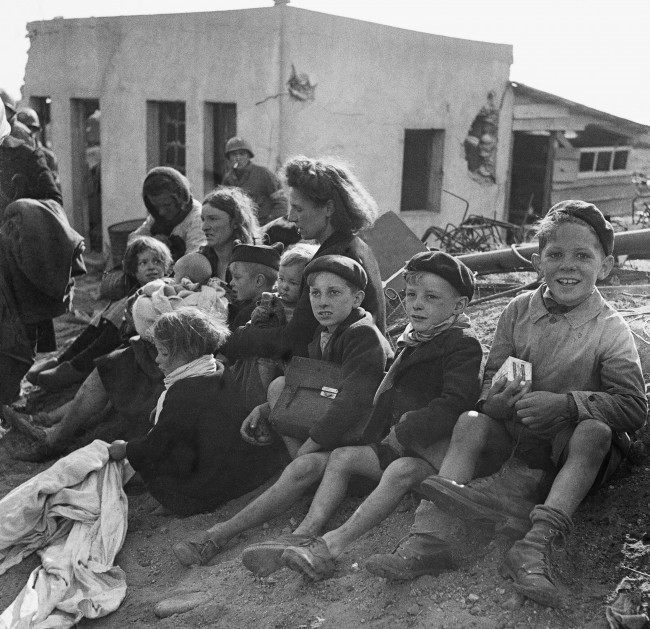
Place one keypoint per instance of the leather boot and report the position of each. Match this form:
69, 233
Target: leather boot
528, 562
62, 376
505, 498
32, 375
416, 554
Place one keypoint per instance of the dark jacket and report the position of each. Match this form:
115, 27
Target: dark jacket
24, 174
263, 187
362, 351
296, 335
432, 384
194, 458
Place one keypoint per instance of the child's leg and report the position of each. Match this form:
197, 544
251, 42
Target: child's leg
587, 450
341, 466
107, 339
88, 403
296, 478
467, 442
399, 478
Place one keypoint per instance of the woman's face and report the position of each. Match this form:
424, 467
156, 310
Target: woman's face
165, 204
217, 226
311, 220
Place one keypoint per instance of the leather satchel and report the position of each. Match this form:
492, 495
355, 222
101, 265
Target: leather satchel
310, 388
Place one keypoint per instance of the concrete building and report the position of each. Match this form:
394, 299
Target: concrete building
416, 114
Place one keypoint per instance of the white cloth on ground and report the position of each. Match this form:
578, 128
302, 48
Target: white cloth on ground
75, 515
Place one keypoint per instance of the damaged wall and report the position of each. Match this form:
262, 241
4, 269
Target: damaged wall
372, 82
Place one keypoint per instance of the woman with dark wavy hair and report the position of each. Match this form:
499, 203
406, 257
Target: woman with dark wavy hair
328, 204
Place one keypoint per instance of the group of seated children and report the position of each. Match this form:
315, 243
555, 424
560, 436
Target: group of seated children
536, 445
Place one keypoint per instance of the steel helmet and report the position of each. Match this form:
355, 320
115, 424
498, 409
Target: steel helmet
237, 144
29, 118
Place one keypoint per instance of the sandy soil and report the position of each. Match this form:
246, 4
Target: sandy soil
225, 594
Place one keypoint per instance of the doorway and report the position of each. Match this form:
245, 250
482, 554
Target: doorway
86, 171
220, 124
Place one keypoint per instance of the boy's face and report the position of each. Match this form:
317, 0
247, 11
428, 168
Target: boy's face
149, 267
571, 262
289, 279
332, 300
244, 284
430, 300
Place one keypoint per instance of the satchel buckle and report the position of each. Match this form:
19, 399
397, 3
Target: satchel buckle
329, 392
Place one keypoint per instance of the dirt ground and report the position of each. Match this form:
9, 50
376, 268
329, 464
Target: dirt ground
225, 594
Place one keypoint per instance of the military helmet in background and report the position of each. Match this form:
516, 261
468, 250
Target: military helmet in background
238, 144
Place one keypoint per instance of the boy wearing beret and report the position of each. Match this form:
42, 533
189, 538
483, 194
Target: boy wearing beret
434, 378
587, 391
346, 336
254, 270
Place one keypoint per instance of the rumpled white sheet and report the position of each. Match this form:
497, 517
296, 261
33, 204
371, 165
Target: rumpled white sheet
75, 515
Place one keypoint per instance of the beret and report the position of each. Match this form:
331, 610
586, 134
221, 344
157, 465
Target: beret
590, 214
344, 267
445, 266
268, 255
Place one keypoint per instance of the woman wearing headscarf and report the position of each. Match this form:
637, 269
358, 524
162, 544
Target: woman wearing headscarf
328, 204
174, 215
39, 255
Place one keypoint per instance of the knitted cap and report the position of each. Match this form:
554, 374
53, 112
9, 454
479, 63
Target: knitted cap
268, 255
347, 268
590, 214
445, 266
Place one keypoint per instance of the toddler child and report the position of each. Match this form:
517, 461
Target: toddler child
145, 259
586, 387
346, 336
434, 378
193, 459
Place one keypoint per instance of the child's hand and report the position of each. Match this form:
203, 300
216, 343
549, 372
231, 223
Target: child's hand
503, 396
117, 450
543, 412
254, 428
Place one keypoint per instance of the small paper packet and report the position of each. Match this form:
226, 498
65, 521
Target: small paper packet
514, 369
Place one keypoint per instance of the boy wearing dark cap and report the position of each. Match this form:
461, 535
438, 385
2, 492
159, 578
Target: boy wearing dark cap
346, 336
587, 388
254, 270
434, 378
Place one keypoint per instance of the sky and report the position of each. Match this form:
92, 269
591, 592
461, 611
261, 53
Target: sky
594, 52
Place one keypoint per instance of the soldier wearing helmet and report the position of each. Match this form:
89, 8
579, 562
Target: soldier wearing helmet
27, 121
258, 182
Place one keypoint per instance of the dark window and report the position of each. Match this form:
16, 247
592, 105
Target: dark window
603, 160
219, 125
166, 134
422, 169
620, 160
587, 162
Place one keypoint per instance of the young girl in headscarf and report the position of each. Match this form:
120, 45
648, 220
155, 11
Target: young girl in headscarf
174, 216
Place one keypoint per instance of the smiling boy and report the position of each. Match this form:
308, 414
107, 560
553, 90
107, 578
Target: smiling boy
587, 387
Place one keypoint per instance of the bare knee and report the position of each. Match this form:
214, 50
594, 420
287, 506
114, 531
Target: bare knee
304, 470
406, 472
342, 460
592, 438
274, 390
471, 430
